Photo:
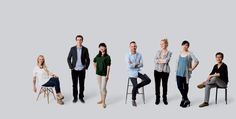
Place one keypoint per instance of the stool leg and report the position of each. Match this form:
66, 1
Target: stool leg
226, 95
143, 95
127, 91
40, 91
216, 95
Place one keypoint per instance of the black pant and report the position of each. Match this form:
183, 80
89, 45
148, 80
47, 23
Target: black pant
161, 76
182, 86
145, 81
78, 75
53, 82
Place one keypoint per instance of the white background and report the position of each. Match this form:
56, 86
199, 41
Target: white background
29, 28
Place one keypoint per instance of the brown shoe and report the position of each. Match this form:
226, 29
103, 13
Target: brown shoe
60, 97
200, 86
60, 102
204, 104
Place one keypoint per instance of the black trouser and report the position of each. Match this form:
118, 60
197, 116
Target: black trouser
182, 86
53, 82
145, 81
161, 76
78, 75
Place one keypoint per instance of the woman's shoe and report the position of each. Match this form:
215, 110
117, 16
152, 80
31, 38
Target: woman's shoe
99, 102
60, 97
186, 104
182, 103
200, 86
104, 105
165, 101
60, 102
204, 104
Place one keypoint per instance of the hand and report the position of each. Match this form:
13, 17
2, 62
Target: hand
107, 77
190, 69
209, 77
53, 75
130, 62
35, 89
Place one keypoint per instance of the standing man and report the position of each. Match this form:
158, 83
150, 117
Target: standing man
135, 63
78, 61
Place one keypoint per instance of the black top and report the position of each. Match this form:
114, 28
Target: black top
72, 57
223, 70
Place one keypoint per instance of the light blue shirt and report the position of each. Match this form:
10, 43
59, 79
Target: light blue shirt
79, 66
132, 60
181, 71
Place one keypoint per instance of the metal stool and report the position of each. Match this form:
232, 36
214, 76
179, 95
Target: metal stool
217, 93
127, 92
47, 91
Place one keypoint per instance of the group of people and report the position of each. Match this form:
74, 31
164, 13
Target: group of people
79, 61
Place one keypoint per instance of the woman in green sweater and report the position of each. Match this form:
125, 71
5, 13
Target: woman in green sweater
102, 64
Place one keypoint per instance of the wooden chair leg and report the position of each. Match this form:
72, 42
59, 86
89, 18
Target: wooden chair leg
51, 91
47, 94
40, 91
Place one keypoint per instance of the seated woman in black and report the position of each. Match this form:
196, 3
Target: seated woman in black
217, 78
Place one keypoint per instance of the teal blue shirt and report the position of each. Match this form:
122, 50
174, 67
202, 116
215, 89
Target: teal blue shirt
181, 71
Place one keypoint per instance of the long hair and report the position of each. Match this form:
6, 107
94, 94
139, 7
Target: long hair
102, 45
43, 65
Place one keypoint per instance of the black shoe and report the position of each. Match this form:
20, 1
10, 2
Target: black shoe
134, 103
186, 104
157, 101
82, 100
75, 100
165, 101
182, 103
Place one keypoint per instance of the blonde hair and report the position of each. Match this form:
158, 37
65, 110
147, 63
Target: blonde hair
43, 65
165, 40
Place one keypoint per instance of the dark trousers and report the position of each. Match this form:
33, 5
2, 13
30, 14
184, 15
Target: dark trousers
183, 86
145, 81
78, 76
161, 77
53, 82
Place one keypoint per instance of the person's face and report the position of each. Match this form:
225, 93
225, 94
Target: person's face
41, 60
185, 47
79, 41
102, 49
219, 58
133, 47
163, 45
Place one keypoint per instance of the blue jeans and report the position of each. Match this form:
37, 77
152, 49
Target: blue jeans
53, 82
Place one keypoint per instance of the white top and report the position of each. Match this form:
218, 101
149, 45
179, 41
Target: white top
41, 76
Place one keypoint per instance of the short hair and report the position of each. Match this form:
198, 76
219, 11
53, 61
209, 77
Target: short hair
102, 45
79, 36
185, 42
132, 42
165, 40
220, 53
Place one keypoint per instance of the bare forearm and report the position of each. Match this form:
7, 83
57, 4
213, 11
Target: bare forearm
108, 70
94, 65
34, 82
